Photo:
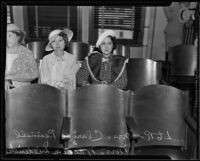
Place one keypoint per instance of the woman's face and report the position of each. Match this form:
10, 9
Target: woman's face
12, 39
58, 44
106, 46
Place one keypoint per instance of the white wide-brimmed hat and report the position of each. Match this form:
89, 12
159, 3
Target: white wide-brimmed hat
12, 27
53, 34
104, 35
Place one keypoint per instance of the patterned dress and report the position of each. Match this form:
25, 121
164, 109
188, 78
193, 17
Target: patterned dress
21, 61
97, 70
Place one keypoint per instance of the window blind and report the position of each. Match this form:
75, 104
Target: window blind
119, 17
44, 19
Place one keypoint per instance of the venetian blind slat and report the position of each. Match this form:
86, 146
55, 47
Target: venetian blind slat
50, 18
118, 17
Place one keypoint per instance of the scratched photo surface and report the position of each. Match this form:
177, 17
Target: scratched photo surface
100, 119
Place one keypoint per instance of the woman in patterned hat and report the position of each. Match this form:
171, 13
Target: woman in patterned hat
101, 66
59, 68
21, 67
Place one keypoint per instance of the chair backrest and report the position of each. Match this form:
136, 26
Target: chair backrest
38, 48
142, 72
183, 60
122, 50
79, 49
98, 117
159, 114
34, 115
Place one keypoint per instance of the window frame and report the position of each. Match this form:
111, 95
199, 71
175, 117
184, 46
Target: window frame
40, 38
93, 33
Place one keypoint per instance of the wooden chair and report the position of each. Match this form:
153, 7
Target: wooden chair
97, 121
34, 116
183, 60
160, 112
142, 72
38, 48
122, 50
182, 71
79, 49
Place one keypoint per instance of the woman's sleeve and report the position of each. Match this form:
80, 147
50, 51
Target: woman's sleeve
31, 66
122, 81
44, 72
83, 74
75, 66
71, 78
25, 65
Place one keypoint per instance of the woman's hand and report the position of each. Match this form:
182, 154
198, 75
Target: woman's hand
78, 66
85, 83
8, 85
65, 84
104, 82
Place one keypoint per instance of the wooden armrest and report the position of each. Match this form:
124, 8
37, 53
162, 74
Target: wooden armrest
132, 128
191, 123
65, 133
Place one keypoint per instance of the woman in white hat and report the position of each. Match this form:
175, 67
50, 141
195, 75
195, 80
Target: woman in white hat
59, 68
101, 66
21, 67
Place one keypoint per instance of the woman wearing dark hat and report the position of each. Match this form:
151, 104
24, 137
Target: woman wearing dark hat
101, 66
21, 67
59, 68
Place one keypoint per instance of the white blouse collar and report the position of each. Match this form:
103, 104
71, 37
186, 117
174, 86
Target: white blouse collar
60, 58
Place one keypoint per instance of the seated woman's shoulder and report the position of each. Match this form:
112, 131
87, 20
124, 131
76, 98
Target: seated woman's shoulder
94, 54
94, 57
48, 57
70, 55
119, 57
25, 50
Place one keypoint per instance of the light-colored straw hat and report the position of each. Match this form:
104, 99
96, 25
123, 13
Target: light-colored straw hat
104, 35
12, 27
53, 34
